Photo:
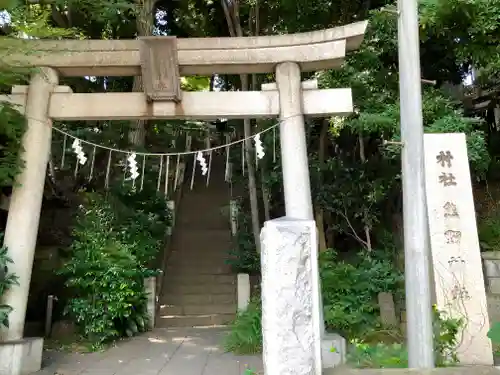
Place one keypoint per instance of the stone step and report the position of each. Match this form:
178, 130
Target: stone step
212, 252
204, 195
198, 289
216, 187
203, 233
183, 279
171, 310
167, 321
202, 220
201, 298
188, 269
197, 263
215, 206
209, 245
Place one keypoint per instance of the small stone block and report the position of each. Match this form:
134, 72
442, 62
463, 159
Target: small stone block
387, 309
491, 255
333, 350
493, 285
22, 357
493, 307
491, 267
244, 291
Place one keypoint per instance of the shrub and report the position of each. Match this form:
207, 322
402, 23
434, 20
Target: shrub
7, 279
106, 271
395, 355
350, 300
489, 232
244, 257
350, 291
245, 336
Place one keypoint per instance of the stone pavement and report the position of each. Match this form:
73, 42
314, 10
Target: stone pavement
180, 351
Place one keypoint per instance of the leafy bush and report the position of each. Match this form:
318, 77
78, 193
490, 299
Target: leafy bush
141, 219
349, 295
350, 291
110, 256
446, 337
7, 279
12, 128
245, 336
244, 257
494, 335
395, 355
489, 232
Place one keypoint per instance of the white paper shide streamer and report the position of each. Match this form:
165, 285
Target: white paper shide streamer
203, 163
132, 166
78, 150
259, 149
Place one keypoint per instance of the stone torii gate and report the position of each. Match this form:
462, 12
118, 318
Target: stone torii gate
161, 61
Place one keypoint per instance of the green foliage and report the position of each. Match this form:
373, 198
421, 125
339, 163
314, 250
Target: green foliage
243, 257
350, 291
395, 355
12, 128
372, 73
112, 248
380, 355
447, 332
471, 29
245, 336
349, 296
7, 279
141, 219
494, 333
489, 231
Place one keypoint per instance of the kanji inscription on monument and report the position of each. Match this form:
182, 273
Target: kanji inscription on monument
456, 261
444, 158
447, 179
453, 236
450, 210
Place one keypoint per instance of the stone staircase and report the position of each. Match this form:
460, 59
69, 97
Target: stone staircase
199, 288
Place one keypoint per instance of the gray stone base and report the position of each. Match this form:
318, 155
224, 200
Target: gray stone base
150, 289
469, 370
333, 350
21, 357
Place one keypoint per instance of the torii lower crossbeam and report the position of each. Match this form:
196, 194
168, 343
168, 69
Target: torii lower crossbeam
65, 105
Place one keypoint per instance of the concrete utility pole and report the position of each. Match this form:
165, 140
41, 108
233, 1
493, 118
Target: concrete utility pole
416, 223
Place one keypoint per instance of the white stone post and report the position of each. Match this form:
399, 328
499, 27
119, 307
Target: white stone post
233, 216
291, 323
297, 185
26, 200
150, 290
171, 210
244, 291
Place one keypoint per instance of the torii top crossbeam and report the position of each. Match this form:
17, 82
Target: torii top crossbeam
315, 50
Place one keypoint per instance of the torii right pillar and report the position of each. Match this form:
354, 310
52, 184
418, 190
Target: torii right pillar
294, 342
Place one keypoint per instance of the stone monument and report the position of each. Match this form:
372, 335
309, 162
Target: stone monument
456, 260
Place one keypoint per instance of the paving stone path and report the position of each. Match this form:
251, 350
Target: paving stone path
182, 351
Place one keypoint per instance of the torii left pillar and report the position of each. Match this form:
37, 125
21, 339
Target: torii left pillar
19, 355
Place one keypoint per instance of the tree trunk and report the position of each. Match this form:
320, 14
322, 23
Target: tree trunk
365, 214
145, 24
231, 11
265, 192
320, 222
